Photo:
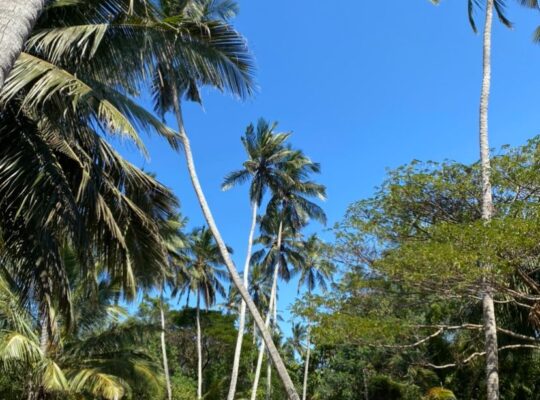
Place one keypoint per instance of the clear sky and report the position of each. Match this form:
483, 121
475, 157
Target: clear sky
364, 86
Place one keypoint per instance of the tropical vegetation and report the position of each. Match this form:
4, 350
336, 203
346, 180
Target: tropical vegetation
427, 289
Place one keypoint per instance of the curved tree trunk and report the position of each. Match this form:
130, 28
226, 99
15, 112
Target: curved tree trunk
17, 18
306, 367
164, 346
271, 307
199, 347
274, 354
242, 319
488, 307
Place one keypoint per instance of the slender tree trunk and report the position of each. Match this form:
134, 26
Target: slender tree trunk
268, 379
235, 277
490, 324
164, 345
199, 348
268, 318
242, 320
366, 386
17, 18
44, 340
306, 366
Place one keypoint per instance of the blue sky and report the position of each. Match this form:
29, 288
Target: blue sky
364, 86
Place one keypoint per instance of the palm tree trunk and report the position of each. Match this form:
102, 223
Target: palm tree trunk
43, 345
44, 336
17, 18
268, 380
199, 348
242, 320
306, 367
235, 278
488, 307
366, 386
268, 318
164, 346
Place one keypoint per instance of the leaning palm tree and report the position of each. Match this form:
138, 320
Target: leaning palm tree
315, 271
17, 18
205, 281
230, 69
265, 167
488, 306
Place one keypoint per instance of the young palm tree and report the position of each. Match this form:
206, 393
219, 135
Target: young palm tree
204, 280
231, 70
488, 306
295, 343
265, 167
17, 18
315, 270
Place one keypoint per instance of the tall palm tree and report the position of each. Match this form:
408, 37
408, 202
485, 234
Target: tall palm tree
280, 254
488, 306
175, 276
17, 18
265, 167
204, 280
289, 208
232, 71
315, 271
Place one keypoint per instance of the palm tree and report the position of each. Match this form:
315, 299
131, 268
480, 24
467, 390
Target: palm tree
264, 167
175, 276
204, 280
231, 70
315, 270
17, 18
288, 211
53, 125
295, 343
488, 306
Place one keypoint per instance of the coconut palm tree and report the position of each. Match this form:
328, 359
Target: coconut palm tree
17, 18
289, 208
173, 276
488, 306
53, 125
265, 167
295, 343
205, 281
232, 71
315, 271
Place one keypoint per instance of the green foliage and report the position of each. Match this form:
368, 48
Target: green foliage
439, 393
183, 388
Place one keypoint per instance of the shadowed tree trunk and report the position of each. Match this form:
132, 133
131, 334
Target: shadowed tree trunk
242, 319
488, 307
235, 277
17, 18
